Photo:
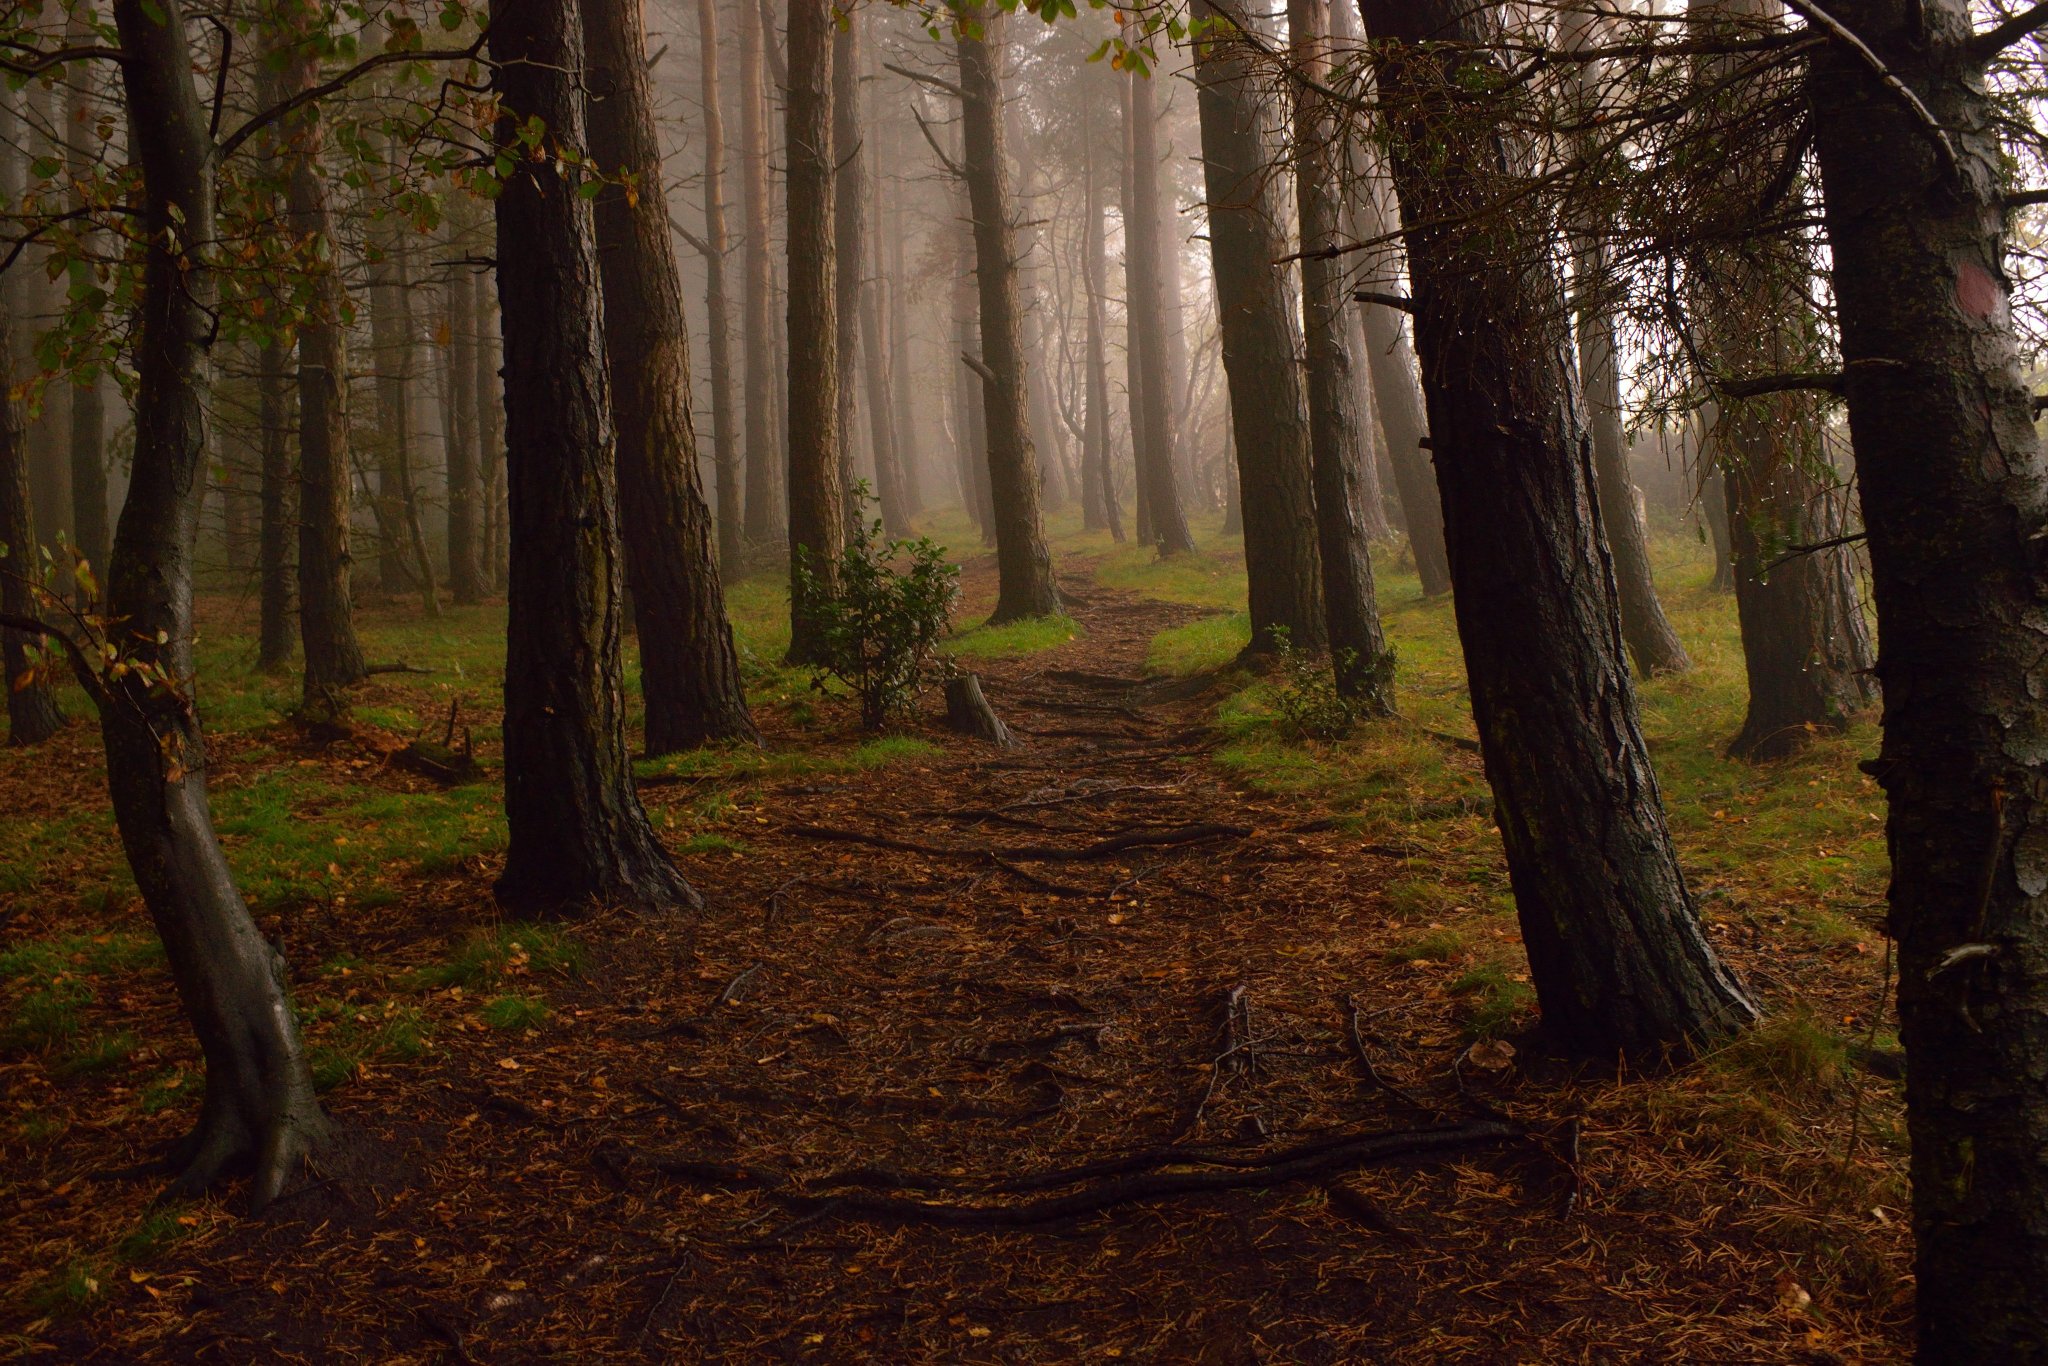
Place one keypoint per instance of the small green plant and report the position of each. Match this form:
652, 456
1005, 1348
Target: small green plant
1305, 691
510, 950
1438, 946
68, 1291
510, 1013
1497, 999
98, 1053
157, 1230
879, 626
1791, 1053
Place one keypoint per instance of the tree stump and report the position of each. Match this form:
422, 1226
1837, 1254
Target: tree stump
968, 712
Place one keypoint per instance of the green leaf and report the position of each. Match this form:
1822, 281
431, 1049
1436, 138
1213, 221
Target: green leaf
590, 189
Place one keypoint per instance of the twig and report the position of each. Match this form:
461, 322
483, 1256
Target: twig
1372, 296
1372, 1072
1842, 33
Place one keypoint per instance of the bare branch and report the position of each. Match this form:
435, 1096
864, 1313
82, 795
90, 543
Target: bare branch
1842, 33
1829, 382
926, 78
258, 122
1993, 41
1373, 296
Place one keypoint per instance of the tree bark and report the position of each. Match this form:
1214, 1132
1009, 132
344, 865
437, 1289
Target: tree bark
277, 493
908, 456
490, 428
259, 1110
90, 534
1275, 489
817, 495
1098, 481
689, 667
849, 240
1620, 962
969, 409
725, 448
763, 520
1024, 581
327, 635
466, 580
882, 411
392, 334
578, 832
1338, 450
1154, 398
1955, 499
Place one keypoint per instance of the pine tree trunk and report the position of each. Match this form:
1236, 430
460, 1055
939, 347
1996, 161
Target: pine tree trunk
725, 447
1275, 490
849, 240
327, 634
90, 534
1617, 954
1098, 481
757, 326
392, 337
971, 455
277, 494
1153, 401
881, 414
909, 460
490, 428
578, 832
689, 667
1024, 586
259, 1109
1338, 453
466, 580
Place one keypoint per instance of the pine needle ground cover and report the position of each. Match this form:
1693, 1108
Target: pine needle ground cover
929, 974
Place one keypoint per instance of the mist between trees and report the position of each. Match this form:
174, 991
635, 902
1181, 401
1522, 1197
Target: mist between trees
575, 334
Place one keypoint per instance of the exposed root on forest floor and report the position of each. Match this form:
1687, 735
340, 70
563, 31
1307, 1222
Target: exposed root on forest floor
1184, 1101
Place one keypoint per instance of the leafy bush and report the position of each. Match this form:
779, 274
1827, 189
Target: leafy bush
1305, 693
878, 631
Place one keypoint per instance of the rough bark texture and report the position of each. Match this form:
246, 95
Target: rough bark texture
1153, 400
849, 239
763, 519
1955, 499
259, 1110
1275, 492
1024, 586
1339, 454
817, 497
689, 667
578, 832
1403, 423
725, 446
1620, 962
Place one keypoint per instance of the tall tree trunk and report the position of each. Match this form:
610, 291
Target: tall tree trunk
817, 496
971, 438
277, 493
1098, 482
90, 534
1152, 403
1339, 453
259, 1109
1955, 499
757, 325
392, 336
1134, 368
1044, 428
1804, 643
725, 448
908, 457
1024, 581
578, 832
1275, 491
490, 429
466, 579
1620, 962
849, 238
327, 634
41, 308
882, 411
689, 668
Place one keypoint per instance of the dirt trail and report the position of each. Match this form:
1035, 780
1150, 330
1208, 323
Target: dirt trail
914, 981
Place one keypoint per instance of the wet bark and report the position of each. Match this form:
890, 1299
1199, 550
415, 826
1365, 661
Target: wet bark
1275, 490
817, 494
1154, 397
1024, 580
259, 1111
1955, 499
763, 518
689, 667
1618, 956
578, 832
725, 446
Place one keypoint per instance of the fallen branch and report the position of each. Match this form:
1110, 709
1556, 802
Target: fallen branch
1372, 1073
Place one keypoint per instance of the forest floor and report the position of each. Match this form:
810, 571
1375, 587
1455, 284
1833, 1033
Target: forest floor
932, 977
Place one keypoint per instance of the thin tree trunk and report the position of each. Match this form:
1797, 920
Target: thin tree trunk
90, 534
1275, 491
327, 634
1097, 481
278, 494
849, 240
881, 413
40, 308
909, 460
259, 1109
490, 427
392, 336
578, 832
466, 580
971, 440
1339, 453
725, 447
757, 326
1620, 962
1152, 403
689, 667
1025, 586
817, 496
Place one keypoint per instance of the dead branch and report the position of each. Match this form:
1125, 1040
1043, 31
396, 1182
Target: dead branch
1372, 1073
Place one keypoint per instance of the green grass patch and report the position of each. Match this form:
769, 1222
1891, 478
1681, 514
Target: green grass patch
98, 1053
1790, 1055
711, 843
70, 1290
1210, 643
55, 987
1438, 946
342, 1041
158, 1229
1496, 1002
489, 956
511, 1013
1014, 639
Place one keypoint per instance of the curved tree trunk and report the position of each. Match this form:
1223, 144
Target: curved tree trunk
689, 668
1276, 495
757, 325
1153, 399
817, 496
1339, 453
578, 832
725, 448
1620, 962
259, 1110
1025, 585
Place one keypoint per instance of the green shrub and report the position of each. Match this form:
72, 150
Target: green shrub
878, 631
1305, 692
